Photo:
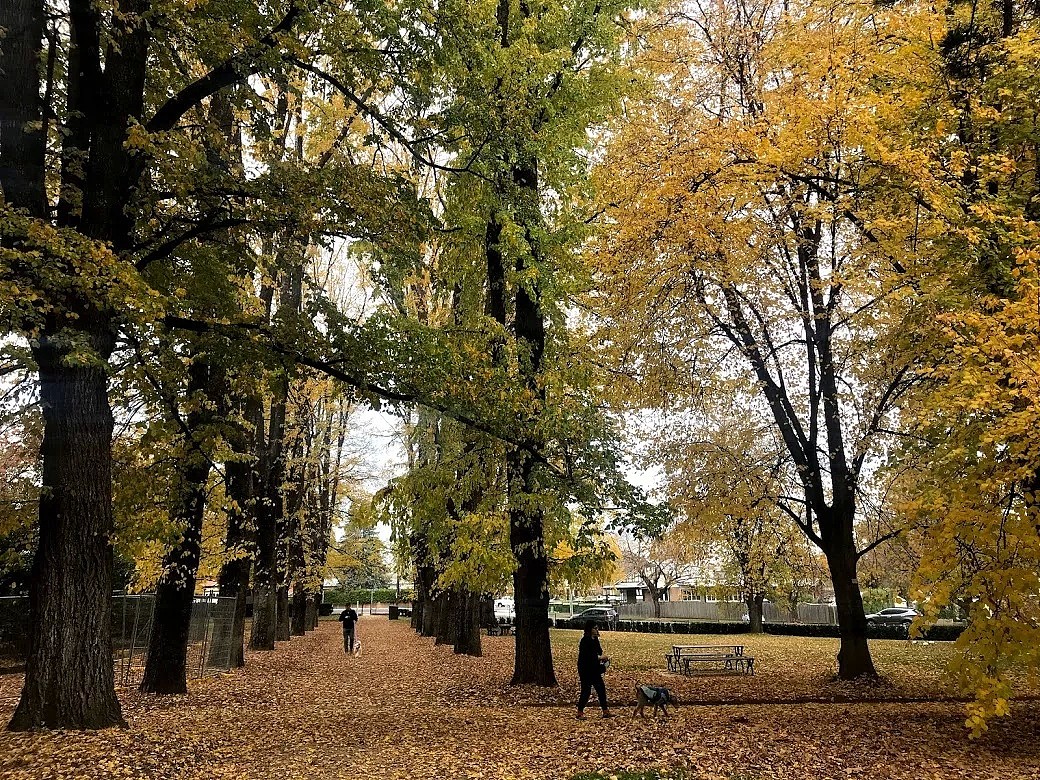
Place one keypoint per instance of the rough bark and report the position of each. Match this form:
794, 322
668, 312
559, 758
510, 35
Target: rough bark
298, 623
854, 660
487, 612
282, 633
22, 143
265, 596
69, 675
69, 681
467, 642
234, 574
428, 626
754, 606
312, 611
446, 627
533, 663
267, 624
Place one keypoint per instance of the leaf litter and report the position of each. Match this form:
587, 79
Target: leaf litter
410, 709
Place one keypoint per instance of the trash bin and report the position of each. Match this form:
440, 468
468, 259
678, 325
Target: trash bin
394, 609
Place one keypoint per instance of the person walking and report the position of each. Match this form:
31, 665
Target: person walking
348, 617
591, 665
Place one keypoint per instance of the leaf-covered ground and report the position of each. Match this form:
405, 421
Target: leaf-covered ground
407, 709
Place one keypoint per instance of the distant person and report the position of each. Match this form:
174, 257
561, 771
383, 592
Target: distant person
591, 665
348, 617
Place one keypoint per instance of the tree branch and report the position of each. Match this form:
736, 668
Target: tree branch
231, 71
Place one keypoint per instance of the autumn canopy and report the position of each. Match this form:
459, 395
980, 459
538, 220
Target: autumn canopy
782, 257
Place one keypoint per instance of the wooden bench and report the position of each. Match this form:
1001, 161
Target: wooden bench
732, 657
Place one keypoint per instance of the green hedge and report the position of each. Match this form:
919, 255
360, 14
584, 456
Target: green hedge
932, 634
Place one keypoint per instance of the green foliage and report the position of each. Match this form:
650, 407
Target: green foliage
876, 599
381, 595
358, 561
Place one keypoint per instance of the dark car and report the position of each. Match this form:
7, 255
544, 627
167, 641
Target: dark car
606, 615
893, 616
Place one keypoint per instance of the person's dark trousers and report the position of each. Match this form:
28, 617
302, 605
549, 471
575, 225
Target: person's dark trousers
587, 684
348, 642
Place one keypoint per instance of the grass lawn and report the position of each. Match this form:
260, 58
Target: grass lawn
786, 668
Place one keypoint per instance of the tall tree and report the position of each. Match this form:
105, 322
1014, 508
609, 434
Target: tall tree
971, 485
731, 235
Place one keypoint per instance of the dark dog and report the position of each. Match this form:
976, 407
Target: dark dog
658, 696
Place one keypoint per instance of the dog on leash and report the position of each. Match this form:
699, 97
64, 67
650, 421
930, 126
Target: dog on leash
657, 695
357, 648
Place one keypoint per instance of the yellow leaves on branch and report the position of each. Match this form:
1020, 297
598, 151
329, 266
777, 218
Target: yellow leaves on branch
40, 265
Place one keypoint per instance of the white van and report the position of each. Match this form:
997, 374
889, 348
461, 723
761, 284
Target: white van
505, 610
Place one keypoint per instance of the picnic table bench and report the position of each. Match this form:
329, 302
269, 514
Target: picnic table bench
732, 657
499, 629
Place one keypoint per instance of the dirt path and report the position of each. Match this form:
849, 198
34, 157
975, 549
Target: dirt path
406, 709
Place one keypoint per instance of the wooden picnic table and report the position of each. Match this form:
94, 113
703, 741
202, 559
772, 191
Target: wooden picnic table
732, 656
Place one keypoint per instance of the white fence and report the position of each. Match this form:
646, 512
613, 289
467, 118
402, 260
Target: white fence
729, 611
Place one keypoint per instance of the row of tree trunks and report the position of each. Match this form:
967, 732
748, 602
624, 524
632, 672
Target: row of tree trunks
69, 672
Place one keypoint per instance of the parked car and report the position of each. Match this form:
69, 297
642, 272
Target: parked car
893, 616
607, 615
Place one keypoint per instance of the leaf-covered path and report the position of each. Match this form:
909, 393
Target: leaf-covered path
407, 709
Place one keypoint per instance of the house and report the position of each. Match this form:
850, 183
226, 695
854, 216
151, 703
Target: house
698, 588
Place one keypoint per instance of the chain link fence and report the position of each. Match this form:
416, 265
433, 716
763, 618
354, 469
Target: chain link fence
211, 639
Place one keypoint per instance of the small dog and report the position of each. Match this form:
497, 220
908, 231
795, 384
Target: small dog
659, 696
357, 648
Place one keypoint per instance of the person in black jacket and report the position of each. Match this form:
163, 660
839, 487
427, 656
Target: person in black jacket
591, 665
348, 618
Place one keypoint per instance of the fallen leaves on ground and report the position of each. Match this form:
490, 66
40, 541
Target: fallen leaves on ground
409, 709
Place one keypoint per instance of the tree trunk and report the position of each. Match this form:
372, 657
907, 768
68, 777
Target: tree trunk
754, 610
532, 663
282, 634
166, 670
234, 575
312, 612
22, 145
468, 640
431, 616
487, 612
447, 624
425, 612
655, 597
298, 625
854, 659
265, 596
69, 679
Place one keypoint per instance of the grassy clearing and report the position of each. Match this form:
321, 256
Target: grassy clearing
408, 709
786, 667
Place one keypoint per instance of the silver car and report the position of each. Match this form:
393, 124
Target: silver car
893, 616
605, 615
